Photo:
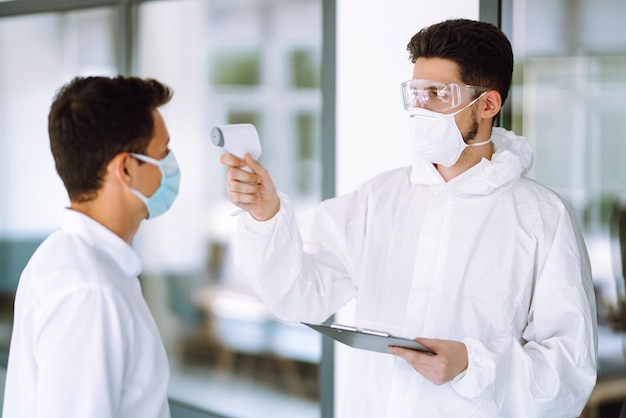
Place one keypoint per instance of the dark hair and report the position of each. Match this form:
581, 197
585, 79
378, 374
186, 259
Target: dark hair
482, 52
93, 119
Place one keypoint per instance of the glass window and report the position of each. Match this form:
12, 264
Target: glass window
52, 48
569, 99
256, 62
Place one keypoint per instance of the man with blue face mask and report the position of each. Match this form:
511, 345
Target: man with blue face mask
84, 343
459, 250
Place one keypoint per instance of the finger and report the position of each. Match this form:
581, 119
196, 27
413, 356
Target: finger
425, 364
243, 188
242, 176
242, 199
406, 353
231, 160
256, 166
433, 345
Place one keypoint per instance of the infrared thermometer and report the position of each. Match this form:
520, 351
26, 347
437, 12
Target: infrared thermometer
238, 139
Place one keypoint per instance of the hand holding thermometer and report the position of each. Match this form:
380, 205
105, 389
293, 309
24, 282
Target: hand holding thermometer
238, 139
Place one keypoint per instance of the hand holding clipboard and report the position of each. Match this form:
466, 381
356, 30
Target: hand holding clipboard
367, 339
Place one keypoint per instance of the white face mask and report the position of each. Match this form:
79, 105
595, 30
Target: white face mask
436, 137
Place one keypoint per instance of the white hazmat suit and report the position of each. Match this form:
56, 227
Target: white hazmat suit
490, 258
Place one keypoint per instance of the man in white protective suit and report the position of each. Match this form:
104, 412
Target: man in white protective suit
484, 266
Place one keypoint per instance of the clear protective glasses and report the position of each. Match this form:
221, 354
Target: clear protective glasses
437, 96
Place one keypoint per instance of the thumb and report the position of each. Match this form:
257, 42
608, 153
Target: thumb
433, 345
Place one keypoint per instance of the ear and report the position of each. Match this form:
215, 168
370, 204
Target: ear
491, 104
120, 168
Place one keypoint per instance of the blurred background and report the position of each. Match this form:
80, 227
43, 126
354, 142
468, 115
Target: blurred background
320, 81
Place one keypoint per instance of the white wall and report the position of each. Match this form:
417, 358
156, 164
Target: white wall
372, 61
372, 126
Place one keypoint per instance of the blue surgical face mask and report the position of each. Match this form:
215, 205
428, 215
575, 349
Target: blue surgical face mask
163, 198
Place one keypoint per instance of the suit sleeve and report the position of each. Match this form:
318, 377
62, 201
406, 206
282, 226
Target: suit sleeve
552, 371
299, 280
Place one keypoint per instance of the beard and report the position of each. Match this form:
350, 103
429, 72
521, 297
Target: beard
472, 131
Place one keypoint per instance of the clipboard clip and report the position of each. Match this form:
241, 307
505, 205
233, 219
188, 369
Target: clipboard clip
364, 331
344, 327
372, 332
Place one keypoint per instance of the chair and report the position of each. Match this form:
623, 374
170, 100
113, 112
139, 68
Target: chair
611, 385
621, 230
618, 241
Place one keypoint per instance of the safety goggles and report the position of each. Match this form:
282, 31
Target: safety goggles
437, 96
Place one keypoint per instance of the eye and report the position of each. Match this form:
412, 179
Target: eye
443, 92
431, 92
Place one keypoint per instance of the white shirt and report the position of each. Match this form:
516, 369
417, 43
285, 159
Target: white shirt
489, 258
84, 343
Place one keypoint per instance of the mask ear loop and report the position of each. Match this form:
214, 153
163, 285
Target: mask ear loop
478, 144
469, 104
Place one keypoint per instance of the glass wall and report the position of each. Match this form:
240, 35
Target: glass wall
52, 48
228, 61
256, 61
231, 62
569, 99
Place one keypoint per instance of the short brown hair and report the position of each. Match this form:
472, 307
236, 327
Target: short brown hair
93, 119
481, 50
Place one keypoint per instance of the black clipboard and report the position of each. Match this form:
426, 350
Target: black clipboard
367, 339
